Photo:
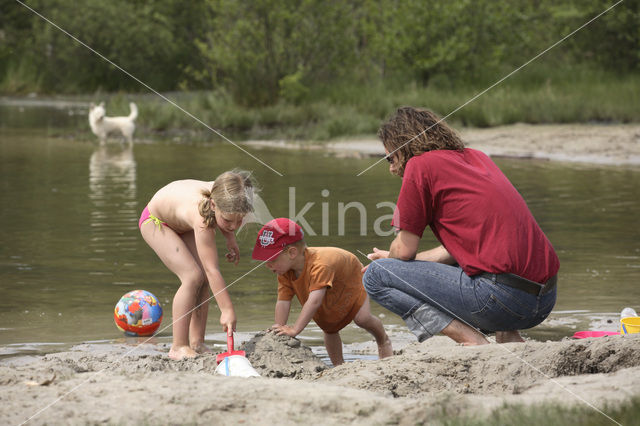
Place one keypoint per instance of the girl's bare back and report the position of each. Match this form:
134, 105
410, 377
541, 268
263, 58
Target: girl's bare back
177, 203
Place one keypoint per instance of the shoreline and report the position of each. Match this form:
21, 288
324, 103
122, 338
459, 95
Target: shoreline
614, 144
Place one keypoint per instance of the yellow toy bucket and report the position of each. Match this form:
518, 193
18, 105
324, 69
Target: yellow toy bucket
630, 325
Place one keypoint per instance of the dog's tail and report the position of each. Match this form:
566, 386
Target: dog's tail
134, 111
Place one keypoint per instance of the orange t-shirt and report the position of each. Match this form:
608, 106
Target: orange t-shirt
339, 271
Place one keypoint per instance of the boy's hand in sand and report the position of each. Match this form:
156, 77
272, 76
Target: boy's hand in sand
377, 254
284, 330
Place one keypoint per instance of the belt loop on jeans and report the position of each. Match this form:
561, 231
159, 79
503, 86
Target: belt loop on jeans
521, 283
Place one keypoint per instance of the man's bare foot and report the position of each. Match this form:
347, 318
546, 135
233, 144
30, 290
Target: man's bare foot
385, 350
179, 352
463, 334
201, 348
508, 336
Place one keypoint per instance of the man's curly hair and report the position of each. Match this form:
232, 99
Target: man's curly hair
413, 131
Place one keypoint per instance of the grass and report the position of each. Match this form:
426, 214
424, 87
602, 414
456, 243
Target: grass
536, 95
565, 96
548, 414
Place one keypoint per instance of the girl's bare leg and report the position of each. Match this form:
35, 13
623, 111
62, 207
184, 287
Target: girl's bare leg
198, 324
333, 343
373, 325
176, 256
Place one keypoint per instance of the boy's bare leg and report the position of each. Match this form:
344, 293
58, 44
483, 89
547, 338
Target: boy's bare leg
462, 333
508, 336
333, 343
173, 252
373, 325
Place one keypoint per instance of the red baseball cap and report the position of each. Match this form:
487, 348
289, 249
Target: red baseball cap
275, 236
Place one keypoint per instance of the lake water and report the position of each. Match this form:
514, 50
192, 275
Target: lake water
70, 246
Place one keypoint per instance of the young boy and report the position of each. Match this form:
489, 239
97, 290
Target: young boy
326, 280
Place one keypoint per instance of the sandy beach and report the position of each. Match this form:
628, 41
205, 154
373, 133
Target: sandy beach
615, 144
125, 384
418, 384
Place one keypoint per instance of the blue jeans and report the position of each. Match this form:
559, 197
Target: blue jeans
429, 295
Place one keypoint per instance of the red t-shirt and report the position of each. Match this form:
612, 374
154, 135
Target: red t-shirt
476, 213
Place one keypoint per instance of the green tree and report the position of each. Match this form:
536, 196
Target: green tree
252, 47
132, 35
265, 50
612, 41
15, 33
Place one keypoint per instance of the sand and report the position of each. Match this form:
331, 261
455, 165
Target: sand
117, 386
614, 144
120, 384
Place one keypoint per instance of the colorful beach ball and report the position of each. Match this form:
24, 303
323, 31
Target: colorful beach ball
138, 313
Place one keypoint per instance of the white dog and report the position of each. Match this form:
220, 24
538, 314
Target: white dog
101, 125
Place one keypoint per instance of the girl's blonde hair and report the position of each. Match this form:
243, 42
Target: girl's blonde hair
232, 192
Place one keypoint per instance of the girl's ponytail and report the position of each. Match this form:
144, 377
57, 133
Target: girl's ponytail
232, 192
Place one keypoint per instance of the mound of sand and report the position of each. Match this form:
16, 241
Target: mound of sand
281, 356
438, 365
421, 381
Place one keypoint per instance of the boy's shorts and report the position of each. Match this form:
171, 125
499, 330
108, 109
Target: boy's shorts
332, 324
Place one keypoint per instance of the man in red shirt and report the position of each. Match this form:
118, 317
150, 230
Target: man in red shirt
495, 270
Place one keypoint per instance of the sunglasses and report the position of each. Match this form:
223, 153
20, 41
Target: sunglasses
389, 158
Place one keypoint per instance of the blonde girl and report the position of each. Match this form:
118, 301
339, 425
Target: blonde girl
180, 224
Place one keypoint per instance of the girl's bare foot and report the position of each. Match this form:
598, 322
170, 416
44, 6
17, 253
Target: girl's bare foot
385, 350
508, 336
201, 348
180, 352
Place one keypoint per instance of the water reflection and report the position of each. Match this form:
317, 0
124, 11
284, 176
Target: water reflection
114, 212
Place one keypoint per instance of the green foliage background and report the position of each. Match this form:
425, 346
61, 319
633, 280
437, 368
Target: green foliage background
369, 55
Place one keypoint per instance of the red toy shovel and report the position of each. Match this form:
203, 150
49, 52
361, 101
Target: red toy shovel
230, 350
